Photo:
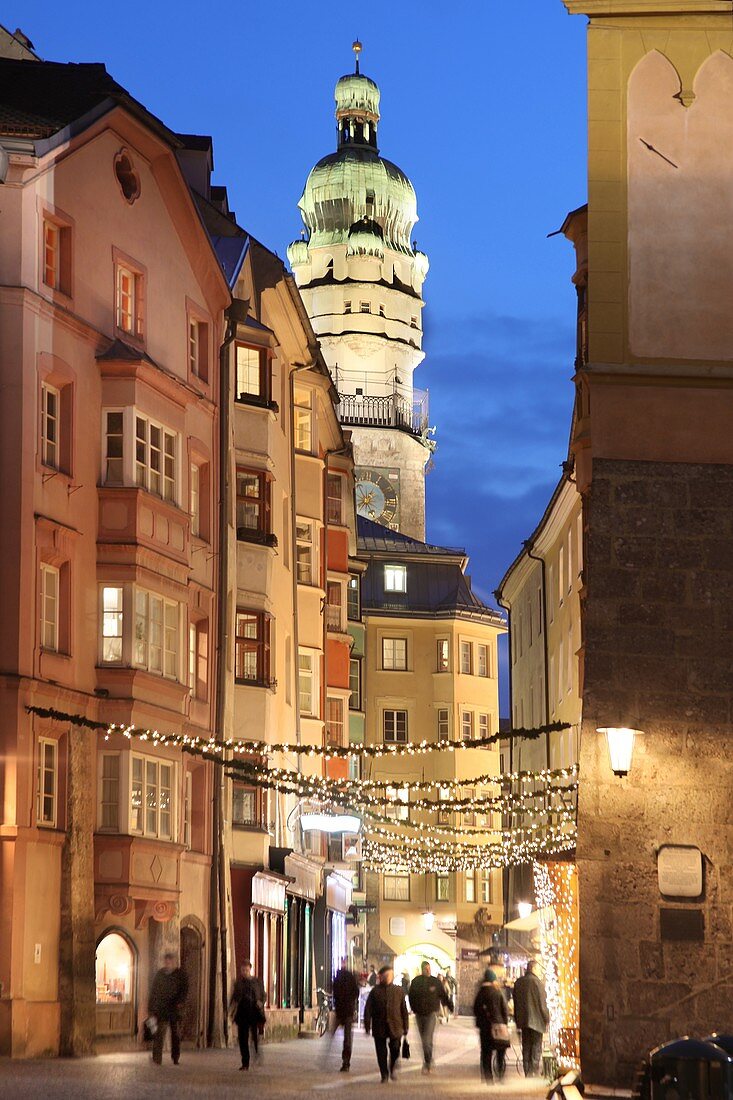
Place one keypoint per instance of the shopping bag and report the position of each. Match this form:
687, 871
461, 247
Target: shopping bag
405, 1048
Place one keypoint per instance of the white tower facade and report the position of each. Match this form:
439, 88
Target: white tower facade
361, 278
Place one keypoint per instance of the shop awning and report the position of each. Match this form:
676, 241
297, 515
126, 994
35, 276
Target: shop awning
530, 923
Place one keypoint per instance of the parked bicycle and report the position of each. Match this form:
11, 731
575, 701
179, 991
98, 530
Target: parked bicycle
325, 1005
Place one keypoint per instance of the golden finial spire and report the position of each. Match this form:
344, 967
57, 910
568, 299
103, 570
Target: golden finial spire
357, 48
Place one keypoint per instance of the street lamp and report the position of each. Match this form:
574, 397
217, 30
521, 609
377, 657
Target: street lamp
428, 919
620, 747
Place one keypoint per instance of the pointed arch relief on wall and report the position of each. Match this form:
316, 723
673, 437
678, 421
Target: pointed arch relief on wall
680, 211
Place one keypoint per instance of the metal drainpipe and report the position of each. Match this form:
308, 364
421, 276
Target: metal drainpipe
545, 643
217, 897
506, 871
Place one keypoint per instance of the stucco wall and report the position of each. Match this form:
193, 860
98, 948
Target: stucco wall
658, 630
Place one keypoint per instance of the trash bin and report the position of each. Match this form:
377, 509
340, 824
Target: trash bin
691, 1069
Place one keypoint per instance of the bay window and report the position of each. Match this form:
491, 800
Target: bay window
466, 658
303, 418
334, 499
109, 795
304, 550
155, 458
252, 647
156, 643
252, 368
483, 659
253, 505
308, 682
112, 624
151, 797
333, 606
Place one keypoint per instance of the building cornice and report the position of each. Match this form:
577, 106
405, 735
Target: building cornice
594, 8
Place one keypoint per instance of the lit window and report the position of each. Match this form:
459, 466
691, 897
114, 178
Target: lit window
394, 654
49, 607
466, 655
444, 795
245, 807
333, 606
442, 663
198, 349
252, 647
112, 624
114, 970
467, 725
483, 726
51, 254
151, 798
253, 505
352, 599
252, 374
394, 725
470, 885
355, 683
304, 551
114, 449
334, 505
194, 487
187, 808
157, 634
442, 887
50, 417
397, 803
334, 721
47, 782
396, 885
128, 304
443, 724
483, 657
155, 459
307, 683
469, 815
395, 578
486, 887
109, 792
303, 419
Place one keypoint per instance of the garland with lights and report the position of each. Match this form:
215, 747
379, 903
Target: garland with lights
392, 857
556, 892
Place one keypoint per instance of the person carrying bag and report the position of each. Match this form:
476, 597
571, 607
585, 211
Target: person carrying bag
492, 1020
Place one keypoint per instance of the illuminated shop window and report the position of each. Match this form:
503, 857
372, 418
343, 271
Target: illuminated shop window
115, 970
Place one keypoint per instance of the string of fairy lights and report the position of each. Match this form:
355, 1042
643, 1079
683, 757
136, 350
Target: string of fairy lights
539, 803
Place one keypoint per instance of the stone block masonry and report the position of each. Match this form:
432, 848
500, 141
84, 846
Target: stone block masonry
658, 639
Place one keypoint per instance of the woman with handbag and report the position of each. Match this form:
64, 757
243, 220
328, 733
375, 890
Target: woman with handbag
492, 1020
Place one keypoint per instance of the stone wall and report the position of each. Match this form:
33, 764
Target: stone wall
658, 633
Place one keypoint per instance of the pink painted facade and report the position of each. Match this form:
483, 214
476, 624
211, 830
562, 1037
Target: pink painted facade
111, 319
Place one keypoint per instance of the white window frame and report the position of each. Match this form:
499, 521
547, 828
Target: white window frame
442, 655
443, 723
397, 803
483, 662
51, 746
355, 666
112, 623
157, 763
469, 887
50, 598
311, 673
394, 654
304, 551
245, 371
482, 729
168, 631
467, 725
466, 649
395, 578
50, 418
303, 419
162, 482
485, 887
393, 713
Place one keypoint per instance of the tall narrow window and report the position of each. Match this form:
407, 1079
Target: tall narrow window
485, 887
304, 550
128, 304
47, 782
467, 725
355, 683
397, 803
394, 654
198, 349
483, 726
483, 657
335, 721
443, 724
394, 725
112, 624
466, 656
156, 644
303, 419
251, 645
561, 575
307, 683
334, 501
442, 887
469, 881
253, 505
442, 663
109, 795
194, 487
252, 374
352, 599
51, 254
114, 449
334, 618
49, 607
151, 797
187, 808
579, 542
155, 459
50, 421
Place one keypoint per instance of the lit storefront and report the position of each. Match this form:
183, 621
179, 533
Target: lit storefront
115, 985
258, 902
331, 941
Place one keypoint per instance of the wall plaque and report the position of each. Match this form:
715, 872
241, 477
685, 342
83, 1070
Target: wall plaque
682, 924
397, 926
679, 871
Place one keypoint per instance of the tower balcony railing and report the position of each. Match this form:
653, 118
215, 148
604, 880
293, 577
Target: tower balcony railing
393, 410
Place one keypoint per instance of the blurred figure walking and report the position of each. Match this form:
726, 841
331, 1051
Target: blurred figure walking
531, 1017
427, 997
385, 1015
492, 1020
167, 996
345, 998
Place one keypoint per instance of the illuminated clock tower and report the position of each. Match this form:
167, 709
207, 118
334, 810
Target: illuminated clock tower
361, 277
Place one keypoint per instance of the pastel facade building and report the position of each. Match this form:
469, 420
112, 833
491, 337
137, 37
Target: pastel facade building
111, 314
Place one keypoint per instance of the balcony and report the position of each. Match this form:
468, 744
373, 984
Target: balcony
391, 411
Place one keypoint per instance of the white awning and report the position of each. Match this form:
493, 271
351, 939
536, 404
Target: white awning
530, 923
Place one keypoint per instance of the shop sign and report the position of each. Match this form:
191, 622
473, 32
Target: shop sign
469, 954
268, 893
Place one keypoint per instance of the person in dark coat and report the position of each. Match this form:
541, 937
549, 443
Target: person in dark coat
427, 996
531, 1017
372, 979
248, 1011
385, 1015
490, 1011
167, 995
345, 999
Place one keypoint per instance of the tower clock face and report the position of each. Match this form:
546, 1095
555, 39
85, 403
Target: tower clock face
377, 495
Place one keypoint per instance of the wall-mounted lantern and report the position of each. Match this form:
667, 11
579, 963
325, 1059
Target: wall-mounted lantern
428, 919
620, 747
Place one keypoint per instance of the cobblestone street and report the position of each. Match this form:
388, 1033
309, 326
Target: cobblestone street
292, 1069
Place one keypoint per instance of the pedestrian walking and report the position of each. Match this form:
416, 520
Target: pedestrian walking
167, 996
405, 982
427, 996
385, 1015
345, 999
247, 1007
492, 1020
372, 979
531, 1017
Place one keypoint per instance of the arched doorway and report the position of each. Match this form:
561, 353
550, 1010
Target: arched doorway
116, 979
412, 959
191, 959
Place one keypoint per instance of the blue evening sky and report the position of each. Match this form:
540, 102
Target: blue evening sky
483, 106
